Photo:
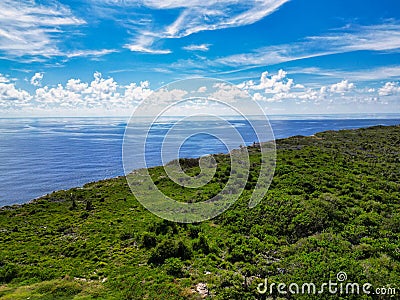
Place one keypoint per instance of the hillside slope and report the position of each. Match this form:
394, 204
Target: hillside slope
333, 206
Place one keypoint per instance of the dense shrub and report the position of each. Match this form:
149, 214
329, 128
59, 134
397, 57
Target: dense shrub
8, 272
174, 267
167, 249
149, 240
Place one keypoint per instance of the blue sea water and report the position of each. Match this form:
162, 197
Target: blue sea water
41, 155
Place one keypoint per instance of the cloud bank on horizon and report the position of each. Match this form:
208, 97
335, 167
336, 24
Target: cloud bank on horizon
102, 57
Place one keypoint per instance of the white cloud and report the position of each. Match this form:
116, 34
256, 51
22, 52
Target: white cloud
212, 15
279, 88
371, 74
164, 94
390, 88
12, 97
143, 49
272, 55
228, 93
102, 87
271, 83
202, 89
380, 37
36, 79
341, 87
135, 92
144, 44
384, 37
3, 79
49, 98
377, 73
195, 16
201, 47
171, 4
27, 28
76, 86
104, 96
93, 53
100, 94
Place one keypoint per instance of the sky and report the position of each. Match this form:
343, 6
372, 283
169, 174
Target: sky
103, 57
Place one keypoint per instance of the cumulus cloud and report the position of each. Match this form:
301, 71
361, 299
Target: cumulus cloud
227, 92
278, 87
36, 79
76, 86
164, 94
104, 96
341, 87
12, 97
390, 88
101, 93
101, 87
137, 92
274, 84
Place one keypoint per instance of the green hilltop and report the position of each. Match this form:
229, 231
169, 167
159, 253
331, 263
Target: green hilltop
333, 206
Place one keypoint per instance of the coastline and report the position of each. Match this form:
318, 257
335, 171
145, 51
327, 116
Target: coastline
16, 205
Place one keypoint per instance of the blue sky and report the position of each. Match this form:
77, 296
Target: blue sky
102, 57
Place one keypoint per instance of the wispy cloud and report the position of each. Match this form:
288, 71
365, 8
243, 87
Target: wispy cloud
201, 47
90, 53
212, 15
370, 74
195, 16
383, 37
143, 49
198, 15
27, 28
144, 44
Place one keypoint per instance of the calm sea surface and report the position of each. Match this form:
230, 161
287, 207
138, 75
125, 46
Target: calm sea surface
40, 155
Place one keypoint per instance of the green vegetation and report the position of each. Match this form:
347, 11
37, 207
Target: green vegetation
333, 205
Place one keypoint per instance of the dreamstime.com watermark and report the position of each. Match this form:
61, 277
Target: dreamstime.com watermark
341, 287
199, 106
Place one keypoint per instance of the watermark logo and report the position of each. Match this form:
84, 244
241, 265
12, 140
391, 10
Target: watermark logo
341, 276
183, 110
341, 286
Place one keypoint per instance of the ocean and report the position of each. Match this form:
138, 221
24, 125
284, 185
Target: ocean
41, 155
